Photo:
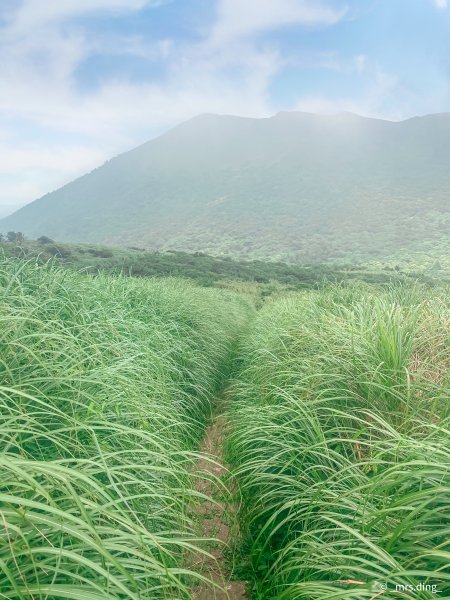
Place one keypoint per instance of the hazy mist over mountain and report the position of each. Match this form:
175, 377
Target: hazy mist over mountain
7, 209
296, 186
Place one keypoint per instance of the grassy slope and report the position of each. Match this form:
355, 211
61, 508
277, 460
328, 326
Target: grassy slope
296, 187
104, 389
340, 443
265, 277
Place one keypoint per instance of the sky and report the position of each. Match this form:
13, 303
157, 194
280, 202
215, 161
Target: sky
84, 80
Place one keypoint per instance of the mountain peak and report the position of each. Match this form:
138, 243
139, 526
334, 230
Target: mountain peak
295, 186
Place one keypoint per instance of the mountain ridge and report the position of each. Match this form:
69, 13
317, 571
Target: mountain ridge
295, 186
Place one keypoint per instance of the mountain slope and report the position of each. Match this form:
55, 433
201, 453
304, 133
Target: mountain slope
295, 187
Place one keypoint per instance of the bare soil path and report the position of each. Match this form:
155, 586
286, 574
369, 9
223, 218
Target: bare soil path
217, 518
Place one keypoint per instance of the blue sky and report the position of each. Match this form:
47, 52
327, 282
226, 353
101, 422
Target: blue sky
83, 80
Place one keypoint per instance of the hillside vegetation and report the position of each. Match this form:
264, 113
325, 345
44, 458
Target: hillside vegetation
105, 385
340, 445
296, 187
265, 277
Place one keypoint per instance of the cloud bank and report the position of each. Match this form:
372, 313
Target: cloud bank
51, 131
61, 114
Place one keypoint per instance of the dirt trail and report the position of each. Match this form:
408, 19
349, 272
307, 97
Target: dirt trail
217, 519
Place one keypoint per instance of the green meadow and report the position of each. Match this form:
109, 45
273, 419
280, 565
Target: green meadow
335, 433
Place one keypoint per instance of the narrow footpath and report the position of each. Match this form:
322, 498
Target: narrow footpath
217, 518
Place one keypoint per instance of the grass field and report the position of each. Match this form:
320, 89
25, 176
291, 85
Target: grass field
105, 386
336, 427
340, 444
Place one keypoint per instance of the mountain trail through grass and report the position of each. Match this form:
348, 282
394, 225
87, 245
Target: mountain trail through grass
216, 515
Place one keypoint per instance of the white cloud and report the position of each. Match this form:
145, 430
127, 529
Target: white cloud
360, 62
370, 102
27, 171
329, 60
441, 4
237, 19
63, 131
33, 14
327, 106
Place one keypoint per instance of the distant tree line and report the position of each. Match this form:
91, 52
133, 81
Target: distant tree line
12, 236
206, 270
18, 236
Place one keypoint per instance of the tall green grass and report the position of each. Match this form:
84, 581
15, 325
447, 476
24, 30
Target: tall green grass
340, 443
104, 389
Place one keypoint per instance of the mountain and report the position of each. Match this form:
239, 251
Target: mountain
7, 209
296, 187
